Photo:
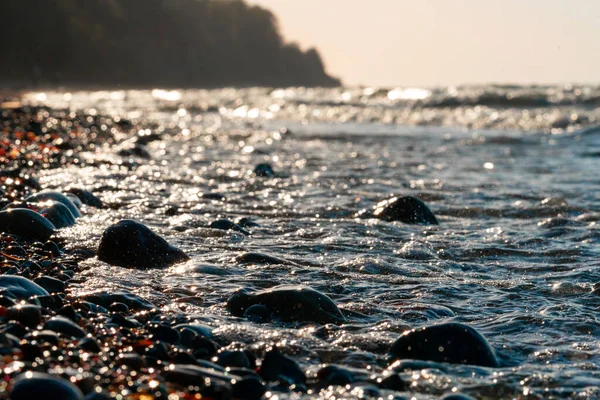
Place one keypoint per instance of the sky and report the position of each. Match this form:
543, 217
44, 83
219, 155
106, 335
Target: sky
447, 42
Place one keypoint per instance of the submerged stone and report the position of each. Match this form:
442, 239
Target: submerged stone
259, 259
37, 385
58, 214
130, 244
19, 288
264, 170
131, 300
26, 224
290, 303
407, 209
226, 225
452, 342
56, 196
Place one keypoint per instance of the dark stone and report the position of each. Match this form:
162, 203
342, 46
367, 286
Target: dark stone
332, 375
407, 209
259, 259
137, 150
43, 336
52, 285
289, 303
264, 170
26, 224
75, 200
19, 288
249, 389
132, 301
27, 314
227, 225
6, 301
158, 351
31, 351
199, 329
37, 385
119, 307
394, 382
120, 320
86, 197
65, 326
193, 375
132, 360
233, 358
133, 245
58, 214
15, 251
56, 196
453, 343
258, 313
89, 344
52, 247
247, 223
277, 367
69, 312
165, 333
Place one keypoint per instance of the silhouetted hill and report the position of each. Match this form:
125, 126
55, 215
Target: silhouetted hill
143, 43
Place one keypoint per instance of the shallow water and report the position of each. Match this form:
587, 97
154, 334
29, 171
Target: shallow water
514, 185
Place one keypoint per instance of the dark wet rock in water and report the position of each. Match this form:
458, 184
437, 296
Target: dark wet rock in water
198, 329
233, 358
130, 244
26, 224
186, 375
86, 197
259, 259
289, 303
258, 313
394, 382
37, 385
58, 214
75, 200
264, 170
332, 375
277, 367
55, 196
407, 209
226, 225
453, 343
65, 326
247, 223
19, 288
131, 300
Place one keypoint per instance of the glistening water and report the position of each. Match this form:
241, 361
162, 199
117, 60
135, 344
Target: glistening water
512, 173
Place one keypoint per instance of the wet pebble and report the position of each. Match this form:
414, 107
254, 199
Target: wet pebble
26, 224
130, 244
289, 303
58, 214
86, 197
65, 326
451, 342
54, 196
27, 314
227, 225
19, 288
276, 367
264, 170
37, 385
407, 209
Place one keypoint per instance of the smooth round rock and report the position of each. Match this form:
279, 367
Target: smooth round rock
19, 288
259, 259
227, 225
58, 214
407, 209
65, 326
27, 224
289, 303
56, 196
37, 385
452, 342
130, 244
86, 197
277, 367
26, 314
456, 396
52, 285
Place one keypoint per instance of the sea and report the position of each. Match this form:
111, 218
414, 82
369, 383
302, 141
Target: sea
511, 172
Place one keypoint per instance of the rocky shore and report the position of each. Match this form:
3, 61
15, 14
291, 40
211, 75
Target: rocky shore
63, 345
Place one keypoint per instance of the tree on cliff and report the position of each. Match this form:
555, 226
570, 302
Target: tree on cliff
170, 43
